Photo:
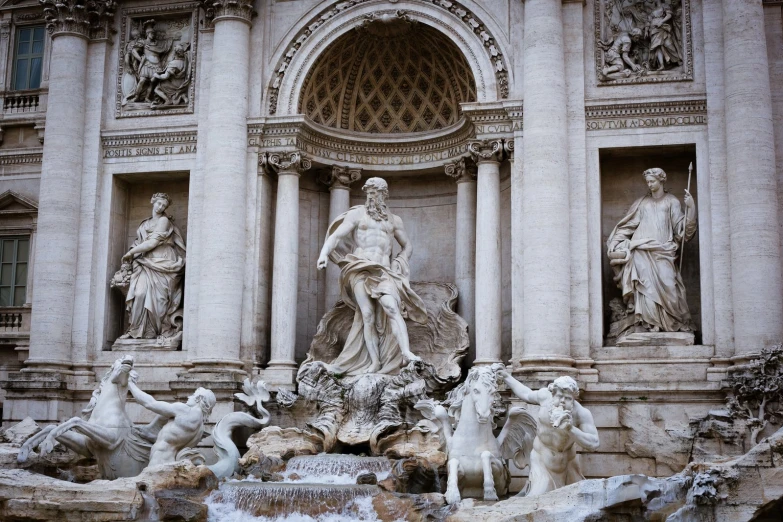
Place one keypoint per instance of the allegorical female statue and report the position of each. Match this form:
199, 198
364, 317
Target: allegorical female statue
642, 250
153, 270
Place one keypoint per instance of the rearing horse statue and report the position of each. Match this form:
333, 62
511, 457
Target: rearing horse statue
475, 457
104, 431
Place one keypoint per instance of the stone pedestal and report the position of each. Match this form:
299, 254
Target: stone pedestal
656, 339
488, 155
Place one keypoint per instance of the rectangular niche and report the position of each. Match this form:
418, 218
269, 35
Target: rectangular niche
622, 183
158, 41
130, 205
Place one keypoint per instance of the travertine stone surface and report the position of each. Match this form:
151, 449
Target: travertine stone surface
753, 193
488, 307
464, 174
545, 187
223, 220
59, 203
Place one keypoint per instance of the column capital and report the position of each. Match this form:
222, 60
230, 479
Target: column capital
340, 177
217, 10
508, 148
82, 18
290, 162
462, 170
485, 151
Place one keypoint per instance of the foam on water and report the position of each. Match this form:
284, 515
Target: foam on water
358, 510
335, 468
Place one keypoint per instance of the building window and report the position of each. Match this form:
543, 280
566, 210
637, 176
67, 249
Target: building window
28, 58
14, 255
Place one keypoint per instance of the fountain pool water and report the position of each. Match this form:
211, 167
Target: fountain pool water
317, 488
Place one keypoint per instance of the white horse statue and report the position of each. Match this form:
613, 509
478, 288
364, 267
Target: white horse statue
475, 457
105, 432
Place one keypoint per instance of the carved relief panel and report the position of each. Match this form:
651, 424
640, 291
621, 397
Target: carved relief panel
157, 69
642, 41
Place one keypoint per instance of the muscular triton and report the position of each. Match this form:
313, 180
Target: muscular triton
373, 284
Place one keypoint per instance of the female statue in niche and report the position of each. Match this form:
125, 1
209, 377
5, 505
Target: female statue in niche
642, 250
152, 270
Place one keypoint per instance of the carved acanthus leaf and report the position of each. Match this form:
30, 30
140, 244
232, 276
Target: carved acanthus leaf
80, 17
216, 9
340, 177
461, 170
486, 150
288, 162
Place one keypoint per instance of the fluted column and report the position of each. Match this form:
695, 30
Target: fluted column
488, 155
68, 22
464, 174
223, 231
752, 184
545, 191
339, 180
285, 267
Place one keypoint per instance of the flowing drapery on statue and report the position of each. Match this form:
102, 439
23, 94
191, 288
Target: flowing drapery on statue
643, 251
376, 287
377, 280
152, 271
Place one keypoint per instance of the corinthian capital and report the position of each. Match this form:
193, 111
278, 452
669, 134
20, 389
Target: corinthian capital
340, 177
461, 170
225, 9
486, 150
293, 162
78, 17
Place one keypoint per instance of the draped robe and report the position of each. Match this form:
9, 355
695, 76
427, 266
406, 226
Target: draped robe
154, 300
378, 280
650, 281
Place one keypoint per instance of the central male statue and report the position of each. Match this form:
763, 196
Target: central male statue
376, 287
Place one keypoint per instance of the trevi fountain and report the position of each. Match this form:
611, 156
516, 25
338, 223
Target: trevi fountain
391, 260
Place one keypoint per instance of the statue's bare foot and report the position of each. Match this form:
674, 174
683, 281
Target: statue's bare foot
411, 357
125, 336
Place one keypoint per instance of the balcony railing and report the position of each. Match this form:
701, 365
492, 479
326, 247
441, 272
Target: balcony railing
22, 102
14, 320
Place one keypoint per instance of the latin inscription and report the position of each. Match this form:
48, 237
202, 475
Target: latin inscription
646, 123
135, 152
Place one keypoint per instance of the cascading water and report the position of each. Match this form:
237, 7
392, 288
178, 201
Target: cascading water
335, 469
318, 488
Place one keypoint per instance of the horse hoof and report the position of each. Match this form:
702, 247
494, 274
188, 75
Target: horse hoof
490, 494
22, 455
452, 497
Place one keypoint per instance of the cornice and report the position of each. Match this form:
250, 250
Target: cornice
20, 158
670, 113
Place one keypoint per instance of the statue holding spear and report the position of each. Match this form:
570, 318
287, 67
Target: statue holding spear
642, 251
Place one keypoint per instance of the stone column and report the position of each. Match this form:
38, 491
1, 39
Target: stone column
752, 183
464, 174
281, 370
488, 307
223, 230
339, 180
545, 191
61, 184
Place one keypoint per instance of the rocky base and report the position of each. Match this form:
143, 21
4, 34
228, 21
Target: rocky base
167, 492
745, 488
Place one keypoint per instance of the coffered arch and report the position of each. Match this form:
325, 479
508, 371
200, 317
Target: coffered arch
481, 51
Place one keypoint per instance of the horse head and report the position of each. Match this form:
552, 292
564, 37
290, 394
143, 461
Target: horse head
480, 390
120, 372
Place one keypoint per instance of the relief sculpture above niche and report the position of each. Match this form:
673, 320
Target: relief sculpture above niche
642, 41
156, 66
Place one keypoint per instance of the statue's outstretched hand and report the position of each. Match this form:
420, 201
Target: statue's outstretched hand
322, 262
